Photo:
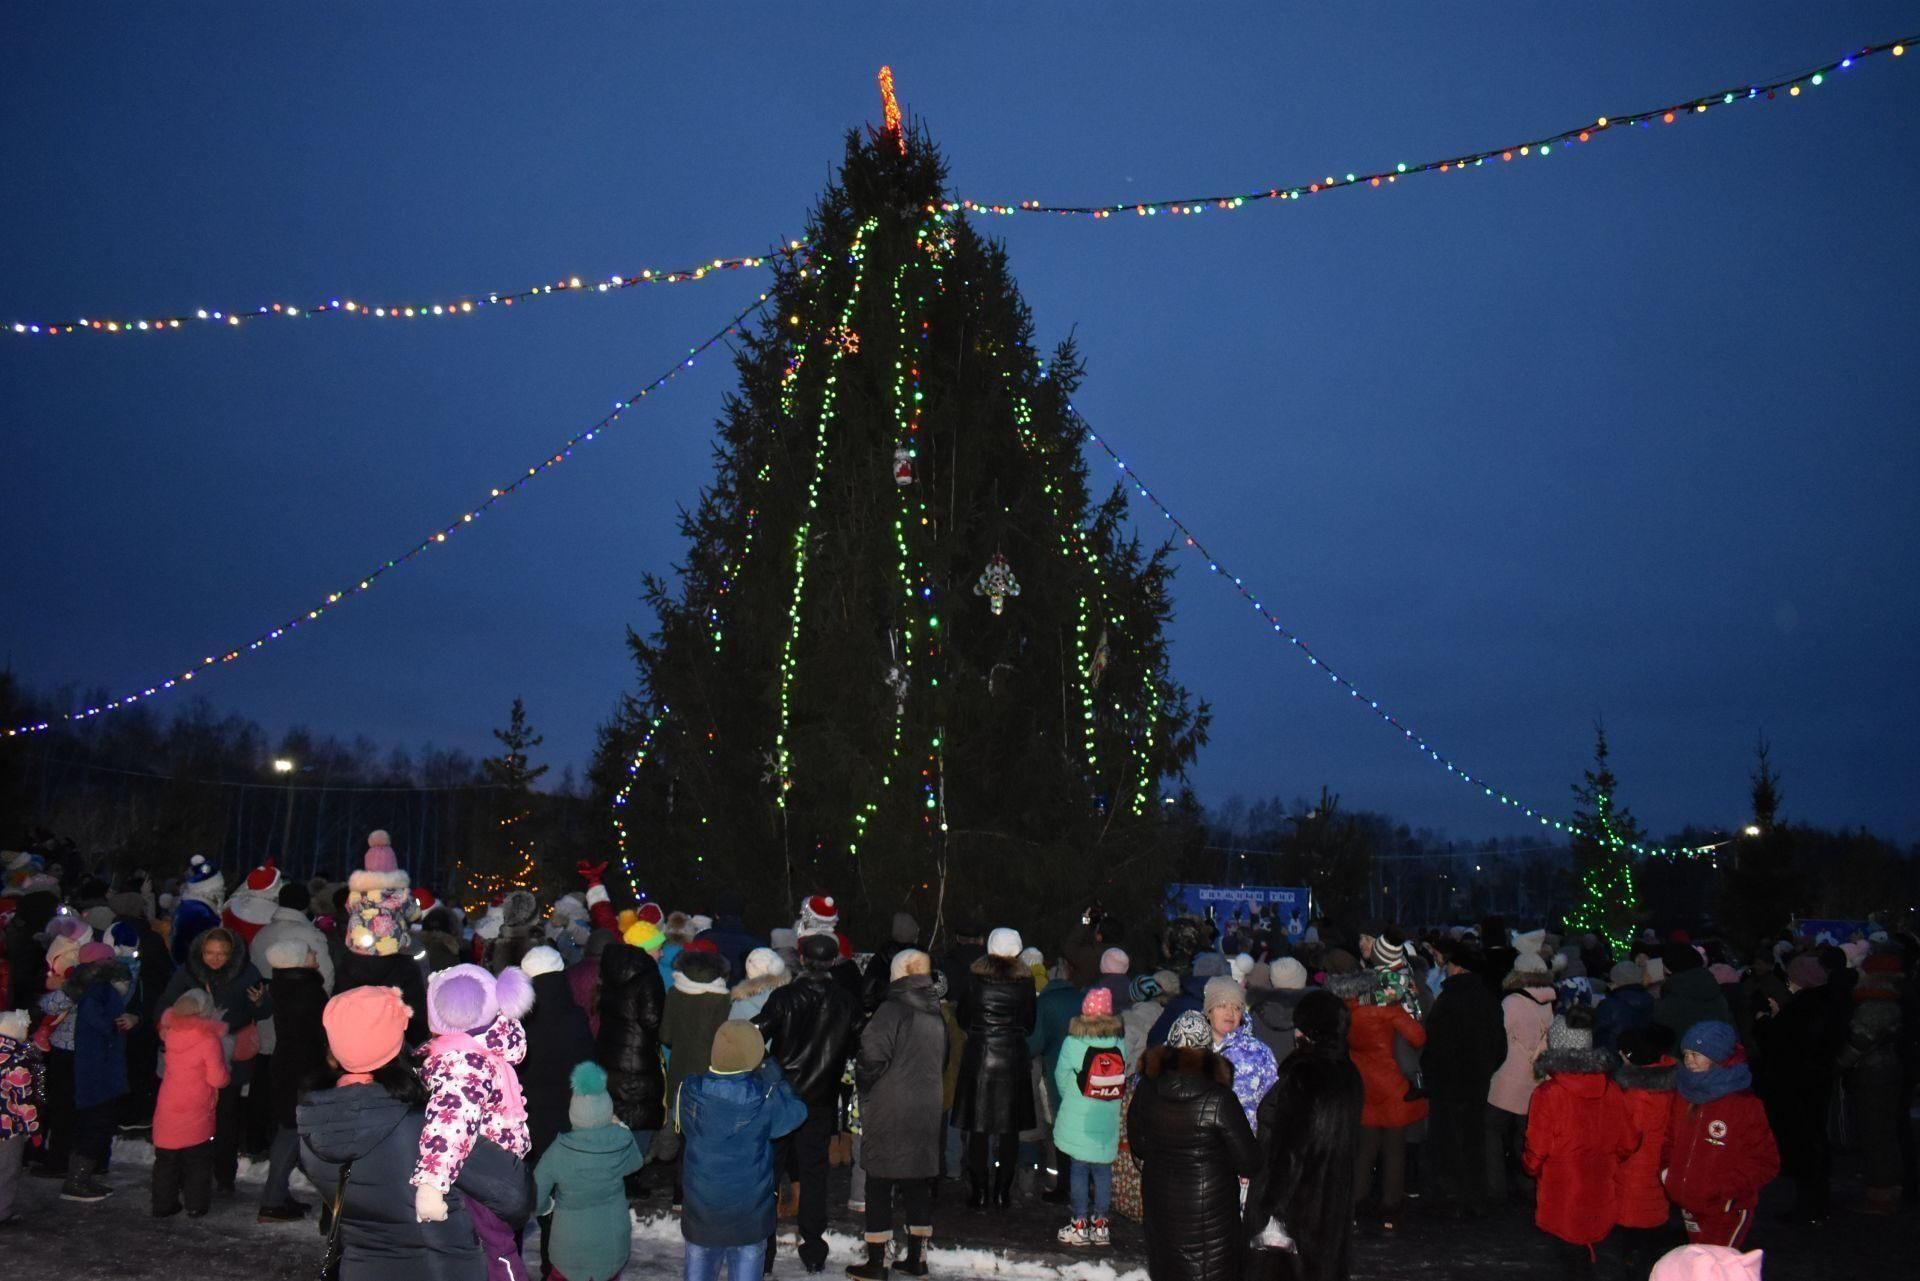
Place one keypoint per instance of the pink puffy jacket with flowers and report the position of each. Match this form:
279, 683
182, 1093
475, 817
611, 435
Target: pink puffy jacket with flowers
473, 1094
22, 1088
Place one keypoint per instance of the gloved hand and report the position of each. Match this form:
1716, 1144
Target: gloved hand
429, 1204
591, 873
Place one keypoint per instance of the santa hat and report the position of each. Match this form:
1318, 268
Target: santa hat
204, 881
264, 880
424, 897
255, 902
465, 998
379, 870
819, 914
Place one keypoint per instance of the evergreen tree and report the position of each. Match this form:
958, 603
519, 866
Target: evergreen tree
510, 860
1604, 836
907, 660
1763, 888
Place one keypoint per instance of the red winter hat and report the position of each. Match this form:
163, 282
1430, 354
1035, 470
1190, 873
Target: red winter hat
92, 952
702, 944
822, 906
264, 879
424, 897
651, 913
1097, 1004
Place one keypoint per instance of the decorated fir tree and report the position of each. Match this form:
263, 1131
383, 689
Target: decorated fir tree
1603, 855
507, 857
908, 659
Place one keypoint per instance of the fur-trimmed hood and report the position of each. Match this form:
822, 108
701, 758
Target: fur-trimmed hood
700, 967
1170, 1060
1631, 1076
1570, 1062
1001, 969
754, 987
1357, 986
361, 881
1095, 1027
1521, 981
519, 911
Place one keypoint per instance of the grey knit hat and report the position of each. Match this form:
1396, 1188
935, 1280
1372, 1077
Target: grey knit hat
1562, 1037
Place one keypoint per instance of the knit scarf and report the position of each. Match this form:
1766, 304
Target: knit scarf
714, 987
1717, 1082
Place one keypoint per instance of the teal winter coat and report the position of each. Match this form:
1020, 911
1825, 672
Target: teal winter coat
1057, 1005
1086, 1129
582, 1172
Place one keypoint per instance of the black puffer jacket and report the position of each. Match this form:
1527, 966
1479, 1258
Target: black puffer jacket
557, 1041
903, 1053
1194, 1146
811, 1026
230, 986
995, 1091
628, 1047
380, 1240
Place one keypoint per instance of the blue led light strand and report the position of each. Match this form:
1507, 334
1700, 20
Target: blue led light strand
1408, 735
362, 585
1540, 147
461, 305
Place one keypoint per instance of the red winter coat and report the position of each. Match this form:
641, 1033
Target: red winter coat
196, 1071
1651, 1108
1578, 1134
1370, 1045
1720, 1154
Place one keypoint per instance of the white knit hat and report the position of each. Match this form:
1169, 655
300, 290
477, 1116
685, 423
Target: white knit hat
1004, 943
541, 960
764, 962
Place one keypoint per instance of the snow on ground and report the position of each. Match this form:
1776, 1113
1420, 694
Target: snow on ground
55, 1240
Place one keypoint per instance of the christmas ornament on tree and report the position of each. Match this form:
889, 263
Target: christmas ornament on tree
903, 467
1102, 656
997, 583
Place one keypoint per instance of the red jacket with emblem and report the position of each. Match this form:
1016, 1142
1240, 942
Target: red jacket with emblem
1579, 1132
1651, 1107
1719, 1154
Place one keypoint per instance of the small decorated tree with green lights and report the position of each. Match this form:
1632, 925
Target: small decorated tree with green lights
1604, 837
907, 659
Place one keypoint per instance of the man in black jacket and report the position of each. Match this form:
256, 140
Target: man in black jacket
1466, 1043
811, 1025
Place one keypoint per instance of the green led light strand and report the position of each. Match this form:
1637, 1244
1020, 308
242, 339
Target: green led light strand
783, 754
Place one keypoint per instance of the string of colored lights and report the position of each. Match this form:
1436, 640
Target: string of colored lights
464, 305
1537, 147
621, 797
1386, 716
789, 663
1611, 884
434, 539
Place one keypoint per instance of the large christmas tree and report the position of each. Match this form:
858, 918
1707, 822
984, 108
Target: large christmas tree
908, 660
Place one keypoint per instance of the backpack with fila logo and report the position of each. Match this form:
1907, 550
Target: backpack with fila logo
1103, 1073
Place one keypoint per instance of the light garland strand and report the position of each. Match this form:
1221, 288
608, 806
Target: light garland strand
434, 539
621, 797
1540, 147
789, 661
1386, 716
464, 305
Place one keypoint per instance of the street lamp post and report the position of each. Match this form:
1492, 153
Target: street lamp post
285, 767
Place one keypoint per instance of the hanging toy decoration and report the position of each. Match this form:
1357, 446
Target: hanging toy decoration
1102, 656
997, 583
903, 467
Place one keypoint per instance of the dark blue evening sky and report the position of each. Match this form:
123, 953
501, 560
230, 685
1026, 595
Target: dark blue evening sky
1629, 431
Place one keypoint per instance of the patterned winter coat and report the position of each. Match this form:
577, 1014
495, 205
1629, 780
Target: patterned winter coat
22, 1088
473, 1094
1254, 1070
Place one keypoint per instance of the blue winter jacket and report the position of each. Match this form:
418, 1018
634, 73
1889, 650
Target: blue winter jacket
729, 1122
99, 1048
1622, 1010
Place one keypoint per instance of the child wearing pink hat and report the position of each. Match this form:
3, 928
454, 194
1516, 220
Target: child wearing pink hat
1092, 1076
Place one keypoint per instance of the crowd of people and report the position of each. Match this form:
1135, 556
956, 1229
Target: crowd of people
450, 1086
